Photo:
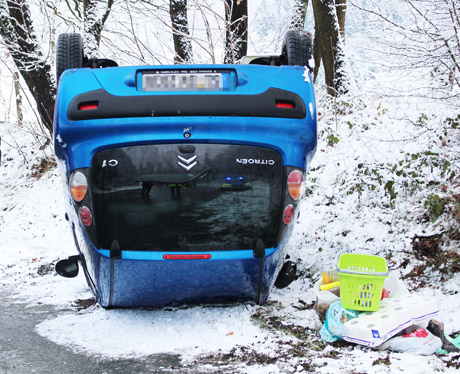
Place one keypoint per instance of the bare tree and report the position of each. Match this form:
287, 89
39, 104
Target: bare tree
17, 32
329, 44
17, 91
341, 9
236, 36
90, 15
299, 14
426, 36
181, 35
170, 18
93, 14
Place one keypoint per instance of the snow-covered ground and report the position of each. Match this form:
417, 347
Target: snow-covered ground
382, 176
34, 234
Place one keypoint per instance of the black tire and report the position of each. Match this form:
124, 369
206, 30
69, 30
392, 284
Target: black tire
69, 53
297, 48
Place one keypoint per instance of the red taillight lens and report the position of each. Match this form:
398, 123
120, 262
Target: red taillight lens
78, 186
295, 180
86, 217
288, 214
88, 106
285, 105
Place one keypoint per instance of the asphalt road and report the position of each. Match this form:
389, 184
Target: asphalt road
23, 351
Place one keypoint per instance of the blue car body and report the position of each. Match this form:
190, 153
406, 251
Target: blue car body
155, 227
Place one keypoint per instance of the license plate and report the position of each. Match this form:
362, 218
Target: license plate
189, 80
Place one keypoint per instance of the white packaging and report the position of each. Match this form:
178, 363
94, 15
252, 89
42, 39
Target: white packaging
395, 314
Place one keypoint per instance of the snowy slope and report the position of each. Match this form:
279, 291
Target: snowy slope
34, 235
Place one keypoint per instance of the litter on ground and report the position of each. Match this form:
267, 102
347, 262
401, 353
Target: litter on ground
364, 304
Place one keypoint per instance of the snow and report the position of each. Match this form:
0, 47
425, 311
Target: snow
150, 332
375, 127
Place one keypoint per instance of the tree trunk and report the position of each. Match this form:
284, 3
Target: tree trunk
17, 91
300, 12
93, 25
19, 37
236, 36
181, 36
328, 44
341, 8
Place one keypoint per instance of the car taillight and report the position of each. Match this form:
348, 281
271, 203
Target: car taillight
295, 180
78, 186
86, 217
288, 214
285, 104
88, 106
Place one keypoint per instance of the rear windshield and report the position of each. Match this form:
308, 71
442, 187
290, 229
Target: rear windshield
197, 197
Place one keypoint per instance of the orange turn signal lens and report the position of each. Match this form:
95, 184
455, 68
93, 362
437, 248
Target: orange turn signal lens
295, 180
78, 186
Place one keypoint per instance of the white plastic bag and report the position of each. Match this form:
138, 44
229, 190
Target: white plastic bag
324, 299
395, 286
414, 339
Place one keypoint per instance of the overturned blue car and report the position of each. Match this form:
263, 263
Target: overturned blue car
183, 181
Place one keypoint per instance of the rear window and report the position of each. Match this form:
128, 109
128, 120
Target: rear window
198, 197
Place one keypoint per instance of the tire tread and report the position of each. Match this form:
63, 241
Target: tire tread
69, 53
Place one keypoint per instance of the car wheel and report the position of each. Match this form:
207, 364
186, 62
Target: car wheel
69, 53
297, 48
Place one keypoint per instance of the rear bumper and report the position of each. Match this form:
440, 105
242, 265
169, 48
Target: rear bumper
270, 107
105, 105
148, 280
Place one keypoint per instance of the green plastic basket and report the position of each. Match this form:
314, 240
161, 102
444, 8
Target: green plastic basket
361, 281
